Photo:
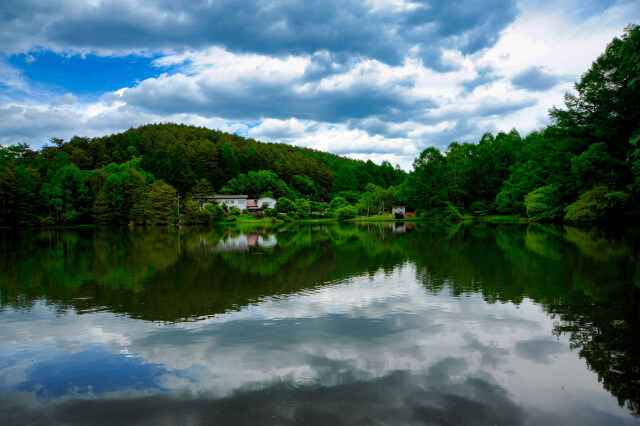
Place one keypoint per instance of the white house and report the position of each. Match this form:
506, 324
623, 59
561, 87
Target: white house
398, 209
239, 201
271, 202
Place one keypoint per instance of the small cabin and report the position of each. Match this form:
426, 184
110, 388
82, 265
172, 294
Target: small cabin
398, 209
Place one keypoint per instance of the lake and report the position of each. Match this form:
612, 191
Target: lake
431, 323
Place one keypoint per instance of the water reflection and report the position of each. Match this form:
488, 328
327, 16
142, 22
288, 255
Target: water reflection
463, 323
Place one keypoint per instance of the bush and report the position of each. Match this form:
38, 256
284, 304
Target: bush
284, 205
337, 202
285, 218
446, 212
302, 207
258, 215
479, 208
212, 211
345, 213
230, 219
544, 203
269, 212
451, 212
596, 204
234, 211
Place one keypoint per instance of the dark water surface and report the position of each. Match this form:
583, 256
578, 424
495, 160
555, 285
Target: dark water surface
321, 324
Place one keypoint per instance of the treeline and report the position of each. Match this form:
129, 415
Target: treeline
583, 167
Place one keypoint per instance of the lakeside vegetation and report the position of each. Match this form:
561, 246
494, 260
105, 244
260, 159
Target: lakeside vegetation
584, 167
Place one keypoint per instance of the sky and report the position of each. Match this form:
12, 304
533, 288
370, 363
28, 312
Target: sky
369, 79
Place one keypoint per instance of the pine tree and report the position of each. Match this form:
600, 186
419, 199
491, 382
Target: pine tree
100, 211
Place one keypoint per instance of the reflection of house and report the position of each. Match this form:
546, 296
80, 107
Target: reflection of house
398, 209
243, 241
399, 228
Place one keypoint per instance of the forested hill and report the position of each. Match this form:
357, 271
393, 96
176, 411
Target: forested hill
64, 180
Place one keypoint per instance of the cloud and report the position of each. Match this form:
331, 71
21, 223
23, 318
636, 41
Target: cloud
387, 33
368, 79
66, 99
535, 79
540, 351
485, 75
490, 355
352, 398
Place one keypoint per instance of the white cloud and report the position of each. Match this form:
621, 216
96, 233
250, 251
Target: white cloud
362, 107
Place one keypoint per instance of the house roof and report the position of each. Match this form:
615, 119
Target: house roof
217, 197
252, 204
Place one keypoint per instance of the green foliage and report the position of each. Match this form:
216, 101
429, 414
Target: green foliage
544, 203
192, 212
158, 203
234, 211
100, 211
201, 190
336, 203
284, 205
479, 208
595, 166
257, 184
214, 211
451, 212
345, 179
596, 204
344, 213
302, 207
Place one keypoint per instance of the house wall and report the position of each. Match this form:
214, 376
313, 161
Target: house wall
268, 200
398, 210
237, 202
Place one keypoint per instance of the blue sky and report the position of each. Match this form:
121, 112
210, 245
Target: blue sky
379, 79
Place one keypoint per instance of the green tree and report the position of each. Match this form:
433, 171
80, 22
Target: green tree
302, 207
345, 179
284, 205
337, 203
159, 203
7, 193
101, 208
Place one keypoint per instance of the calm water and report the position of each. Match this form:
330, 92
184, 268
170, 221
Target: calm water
323, 324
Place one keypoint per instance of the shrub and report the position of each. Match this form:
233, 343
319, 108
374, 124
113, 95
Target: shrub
337, 203
451, 212
479, 208
347, 212
258, 215
212, 212
234, 211
595, 204
284, 205
544, 203
302, 207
